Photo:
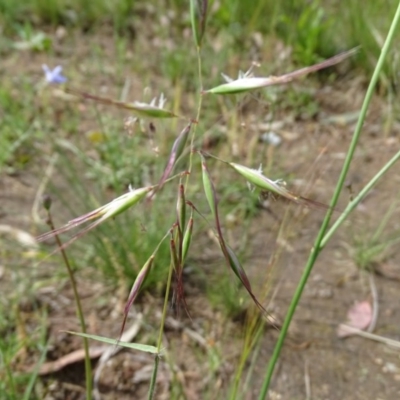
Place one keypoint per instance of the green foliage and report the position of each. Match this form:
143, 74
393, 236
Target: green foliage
120, 247
16, 133
367, 253
313, 30
317, 29
301, 101
241, 19
229, 296
29, 39
305, 27
366, 24
15, 341
373, 247
120, 250
80, 13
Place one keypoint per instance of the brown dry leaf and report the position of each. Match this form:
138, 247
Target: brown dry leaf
359, 316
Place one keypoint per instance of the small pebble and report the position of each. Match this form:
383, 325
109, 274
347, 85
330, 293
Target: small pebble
390, 367
271, 138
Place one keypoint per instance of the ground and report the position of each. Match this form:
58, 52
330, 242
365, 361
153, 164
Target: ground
202, 353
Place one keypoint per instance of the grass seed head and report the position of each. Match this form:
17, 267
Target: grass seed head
101, 214
198, 18
256, 178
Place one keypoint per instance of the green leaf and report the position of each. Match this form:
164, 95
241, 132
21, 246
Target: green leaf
135, 346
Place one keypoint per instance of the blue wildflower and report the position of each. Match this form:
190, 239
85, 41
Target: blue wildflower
53, 75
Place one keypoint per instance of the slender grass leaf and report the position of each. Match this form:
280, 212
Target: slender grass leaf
135, 346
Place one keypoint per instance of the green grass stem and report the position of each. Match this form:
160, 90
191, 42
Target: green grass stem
29, 390
321, 240
199, 107
160, 335
79, 310
353, 204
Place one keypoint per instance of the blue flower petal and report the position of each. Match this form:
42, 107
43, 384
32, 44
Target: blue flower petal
54, 76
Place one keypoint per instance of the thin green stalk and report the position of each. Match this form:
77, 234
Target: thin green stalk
378, 233
79, 311
199, 106
317, 246
32, 380
358, 199
9, 374
160, 335
154, 377
253, 334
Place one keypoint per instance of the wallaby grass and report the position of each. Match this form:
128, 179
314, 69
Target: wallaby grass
121, 248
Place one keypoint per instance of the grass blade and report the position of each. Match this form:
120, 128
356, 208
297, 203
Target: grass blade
134, 346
